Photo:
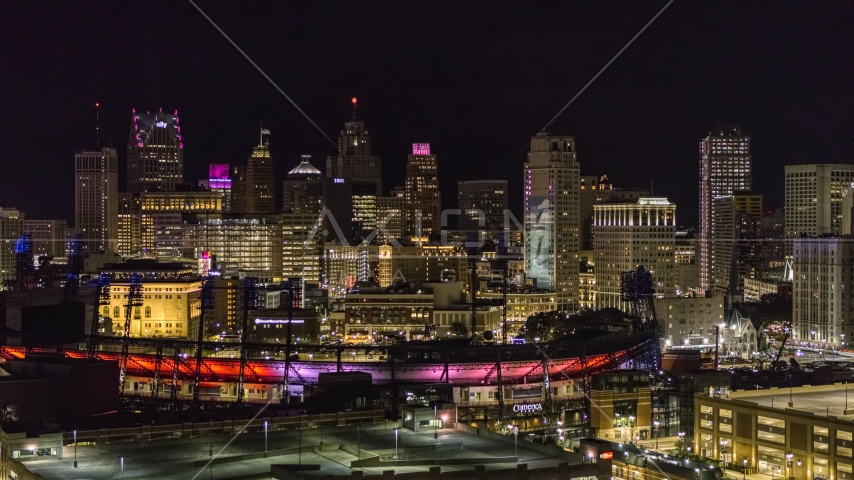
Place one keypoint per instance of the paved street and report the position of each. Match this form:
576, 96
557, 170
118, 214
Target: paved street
168, 459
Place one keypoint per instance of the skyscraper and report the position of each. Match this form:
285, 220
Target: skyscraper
96, 197
390, 215
814, 199
255, 183
483, 203
155, 152
629, 235
219, 180
11, 227
303, 190
725, 167
737, 240
423, 199
354, 160
552, 218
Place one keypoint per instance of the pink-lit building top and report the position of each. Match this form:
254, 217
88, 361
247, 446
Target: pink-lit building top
421, 149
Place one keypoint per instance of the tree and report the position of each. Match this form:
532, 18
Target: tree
459, 329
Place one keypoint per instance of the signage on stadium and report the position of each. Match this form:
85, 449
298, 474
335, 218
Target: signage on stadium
276, 321
531, 407
606, 455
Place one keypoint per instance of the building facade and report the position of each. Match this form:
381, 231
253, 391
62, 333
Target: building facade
725, 167
219, 180
11, 228
256, 192
689, 322
423, 199
551, 217
155, 152
814, 199
355, 160
482, 204
96, 198
238, 242
822, 303
736, 251
303, 190
629, 235
49, 237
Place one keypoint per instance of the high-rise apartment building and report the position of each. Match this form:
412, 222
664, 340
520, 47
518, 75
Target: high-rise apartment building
552, 218
11, 228
219, 180
303, 190
155, 152
483, 203
737, 240
822, 301
814, 199
301, 246
354, 160
49, 237
255, 183
596, 190
237, 241
423, 199
630, 235
96, 197
725, 167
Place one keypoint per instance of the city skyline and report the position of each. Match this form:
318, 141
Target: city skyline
675, 113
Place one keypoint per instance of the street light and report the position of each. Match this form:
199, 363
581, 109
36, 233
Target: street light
210, 453
435, 422
75, 447
122, 464
656, 424
515, 441
359, 441
632, 426
789, 465
724, 451
299, 430
395, 442
744, 470
265, 436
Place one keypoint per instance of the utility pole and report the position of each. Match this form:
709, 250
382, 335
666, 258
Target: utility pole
134, 301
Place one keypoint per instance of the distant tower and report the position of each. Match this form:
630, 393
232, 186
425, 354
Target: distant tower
155, 152
303, 190
423, 199
96, 197
482, 203
219, 181
725, 167
255, 182
551, 217
354, 160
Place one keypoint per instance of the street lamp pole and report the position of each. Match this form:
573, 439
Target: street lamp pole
75, 435
436, 421
789, 465
359, 441
210, 453
300, 446
656, 424
122, 464
265, 436
395, 442
744, 470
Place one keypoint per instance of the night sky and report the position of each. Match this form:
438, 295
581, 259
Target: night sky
475, 79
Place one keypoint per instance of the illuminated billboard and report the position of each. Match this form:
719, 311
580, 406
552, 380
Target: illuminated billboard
539, 248
277, 321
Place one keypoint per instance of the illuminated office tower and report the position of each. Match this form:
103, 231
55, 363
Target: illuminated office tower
737, 242
241, 241
483, 203
552, 217
96, 196
629, 235
11, 228
301, 246
354, 160
303, 190
255, 182
155, 152
814, 196
423, 199
390, 213
161, 217
725, 167
129, 225
219, 180
49, 237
